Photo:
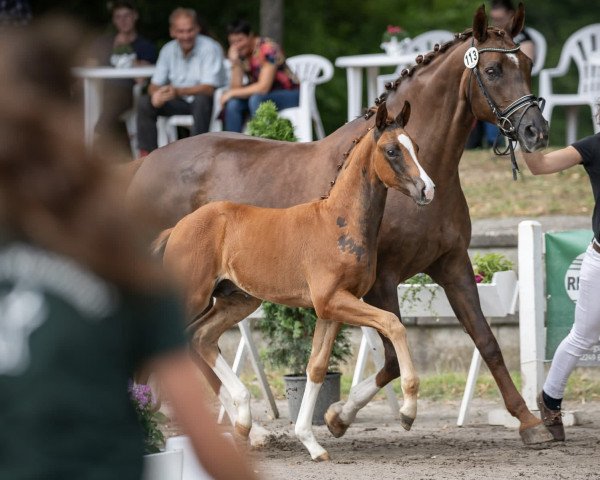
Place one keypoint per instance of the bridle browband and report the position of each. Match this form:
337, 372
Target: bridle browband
507, 128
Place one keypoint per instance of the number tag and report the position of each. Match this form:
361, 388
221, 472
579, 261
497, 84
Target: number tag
471, 58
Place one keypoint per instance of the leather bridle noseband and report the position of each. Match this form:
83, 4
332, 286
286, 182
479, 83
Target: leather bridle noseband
507, 128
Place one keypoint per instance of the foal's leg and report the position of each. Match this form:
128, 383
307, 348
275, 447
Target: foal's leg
225, 313
323, 339
340, 415
455, 274
344, 307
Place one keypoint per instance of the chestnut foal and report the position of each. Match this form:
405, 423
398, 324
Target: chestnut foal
320, 254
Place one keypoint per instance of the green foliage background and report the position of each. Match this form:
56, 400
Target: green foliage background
334, 28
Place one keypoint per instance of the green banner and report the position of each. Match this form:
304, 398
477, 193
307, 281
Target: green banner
564, 254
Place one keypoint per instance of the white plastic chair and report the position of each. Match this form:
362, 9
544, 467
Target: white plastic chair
422, 43
311, 70
541, 47
583, 48
130, 119
167, 126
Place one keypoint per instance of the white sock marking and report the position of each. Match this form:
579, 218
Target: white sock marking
303, 427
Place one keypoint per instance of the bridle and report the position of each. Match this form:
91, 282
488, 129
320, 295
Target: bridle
507, 127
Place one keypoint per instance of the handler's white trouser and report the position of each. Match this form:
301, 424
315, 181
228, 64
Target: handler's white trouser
586, 328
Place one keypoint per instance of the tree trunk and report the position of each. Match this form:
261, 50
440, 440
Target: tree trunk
271, 19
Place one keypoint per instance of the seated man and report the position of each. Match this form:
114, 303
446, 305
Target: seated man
261, 60
188, 70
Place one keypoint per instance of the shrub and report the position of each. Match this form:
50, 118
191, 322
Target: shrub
268, 124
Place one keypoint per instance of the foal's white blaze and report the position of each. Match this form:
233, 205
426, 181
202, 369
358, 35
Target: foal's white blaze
513, 58
429, 185
303, 427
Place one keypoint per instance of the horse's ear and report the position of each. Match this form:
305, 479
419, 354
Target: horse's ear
518, 21
480, 25
381, 119
404, 115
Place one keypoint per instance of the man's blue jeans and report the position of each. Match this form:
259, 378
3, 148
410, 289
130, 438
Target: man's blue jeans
237, 109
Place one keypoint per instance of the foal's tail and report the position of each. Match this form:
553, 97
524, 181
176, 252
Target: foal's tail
158, 245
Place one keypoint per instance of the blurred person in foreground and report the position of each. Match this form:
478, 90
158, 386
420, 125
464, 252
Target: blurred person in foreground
82, 305
586, 327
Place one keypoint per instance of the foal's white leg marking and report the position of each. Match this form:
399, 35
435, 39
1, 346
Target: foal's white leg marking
227, 402
303, 427
513, 58
240, 395
429, 185
360, 395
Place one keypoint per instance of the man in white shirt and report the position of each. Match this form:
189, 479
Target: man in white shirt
188, 70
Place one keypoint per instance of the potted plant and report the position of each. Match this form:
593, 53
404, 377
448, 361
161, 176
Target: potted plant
158, 463
496, 285
394, 40
288, 333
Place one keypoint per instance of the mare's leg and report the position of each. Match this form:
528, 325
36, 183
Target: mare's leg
340, 415
226, 312
455, 273
323, 339
344, 307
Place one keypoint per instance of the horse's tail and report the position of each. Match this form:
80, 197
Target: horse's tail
158, 245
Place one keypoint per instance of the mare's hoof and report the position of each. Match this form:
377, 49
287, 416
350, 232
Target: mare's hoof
333, 421
324, 457
536, 435
406, 422
241, 431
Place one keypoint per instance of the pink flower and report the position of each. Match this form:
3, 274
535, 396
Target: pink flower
394, 29
478, 278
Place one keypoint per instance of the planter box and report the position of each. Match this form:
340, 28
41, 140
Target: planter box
163, 466
498, 299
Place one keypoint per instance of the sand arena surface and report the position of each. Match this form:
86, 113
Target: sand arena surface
377, 447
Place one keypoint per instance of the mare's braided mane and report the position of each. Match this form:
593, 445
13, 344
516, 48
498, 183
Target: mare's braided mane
421, 61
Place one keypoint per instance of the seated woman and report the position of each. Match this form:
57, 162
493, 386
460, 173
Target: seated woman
263, 62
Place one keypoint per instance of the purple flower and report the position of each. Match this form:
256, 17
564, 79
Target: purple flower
478, 278
141, 395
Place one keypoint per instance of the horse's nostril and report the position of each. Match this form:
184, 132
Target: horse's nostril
531, 131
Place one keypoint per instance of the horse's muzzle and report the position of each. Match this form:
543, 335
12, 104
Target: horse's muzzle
533, 135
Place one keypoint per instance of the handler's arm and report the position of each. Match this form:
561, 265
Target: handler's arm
551, 162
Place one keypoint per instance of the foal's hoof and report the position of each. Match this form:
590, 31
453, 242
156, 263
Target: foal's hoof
536, 435
406, 422
242, 431
333, 421
324, 457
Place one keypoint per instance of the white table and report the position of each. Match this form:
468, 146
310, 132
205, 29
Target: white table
354, 66
93, 79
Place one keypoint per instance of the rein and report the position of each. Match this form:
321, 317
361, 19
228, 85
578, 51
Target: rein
524, 103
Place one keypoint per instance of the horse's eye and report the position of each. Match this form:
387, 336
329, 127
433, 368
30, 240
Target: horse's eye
391, 153
493, 71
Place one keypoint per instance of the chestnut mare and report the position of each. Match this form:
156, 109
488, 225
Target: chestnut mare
446, 97
321, 254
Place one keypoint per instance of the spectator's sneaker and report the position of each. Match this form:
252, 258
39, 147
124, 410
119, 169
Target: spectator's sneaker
552, 420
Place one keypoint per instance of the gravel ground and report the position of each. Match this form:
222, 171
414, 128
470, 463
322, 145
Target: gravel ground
376, 447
